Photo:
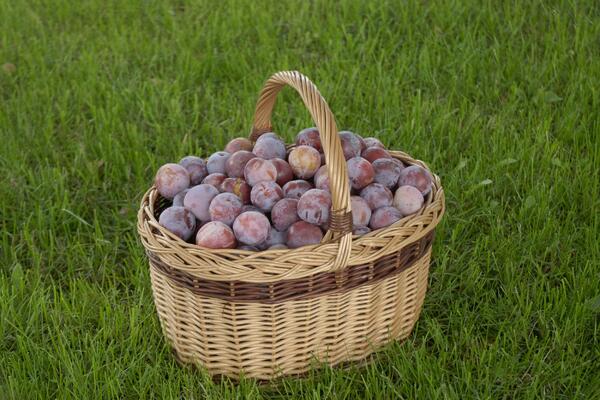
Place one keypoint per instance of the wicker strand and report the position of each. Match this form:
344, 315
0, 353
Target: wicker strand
332, 147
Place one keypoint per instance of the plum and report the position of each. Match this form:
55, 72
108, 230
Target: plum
284, 213
196, 167
295, 189
171, 179
238, 144
384, 216
279, 246
259, 170
416, 176
178, 199
399, 163
216, 235
284, 171
305, 161
214, 180
199, 225
265, 194
376, 195
363, 145
373, 142
274, 237
375, 153
361, 230
237, 186
302, 233
323, 159
361, 212
225, 207
198, 200
408, 200
216, 162
387, 172
271, 135
179, 221
360, 172
309, 137
350, 144
251, 207
321, 178
251, 228
247, 248
314, 206
269, 147
234, 167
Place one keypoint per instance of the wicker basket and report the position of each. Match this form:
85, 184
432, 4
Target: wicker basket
272, 313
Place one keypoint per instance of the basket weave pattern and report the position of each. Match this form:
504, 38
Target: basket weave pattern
274, 312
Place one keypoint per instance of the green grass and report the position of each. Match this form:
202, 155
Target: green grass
502, 99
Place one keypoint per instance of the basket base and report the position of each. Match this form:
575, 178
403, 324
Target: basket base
315, 367
267, 341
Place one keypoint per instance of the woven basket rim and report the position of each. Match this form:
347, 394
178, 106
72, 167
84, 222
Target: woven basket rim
316, 285
199, 261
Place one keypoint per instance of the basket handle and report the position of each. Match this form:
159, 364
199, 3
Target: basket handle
341, 215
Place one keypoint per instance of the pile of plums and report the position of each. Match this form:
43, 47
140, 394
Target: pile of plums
258, 196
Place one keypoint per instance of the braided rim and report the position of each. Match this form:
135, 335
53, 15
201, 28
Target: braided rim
316, 285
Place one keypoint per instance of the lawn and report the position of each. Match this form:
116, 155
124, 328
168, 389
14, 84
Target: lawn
502, 100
